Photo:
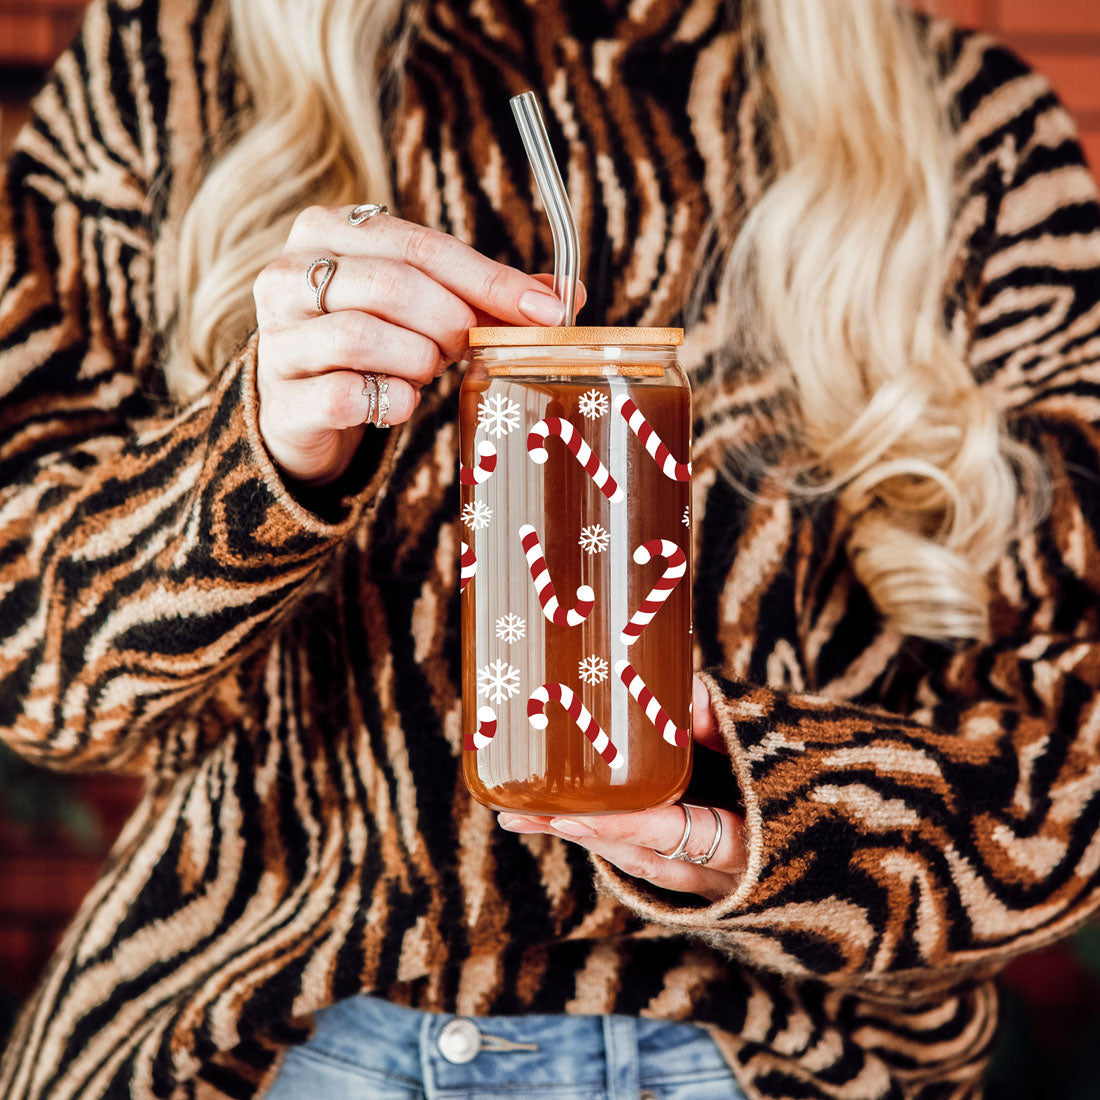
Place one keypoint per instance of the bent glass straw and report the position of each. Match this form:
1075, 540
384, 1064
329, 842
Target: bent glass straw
532, 130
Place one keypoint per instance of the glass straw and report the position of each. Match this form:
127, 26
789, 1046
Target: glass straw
532, 130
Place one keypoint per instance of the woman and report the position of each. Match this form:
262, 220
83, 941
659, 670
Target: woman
216, 574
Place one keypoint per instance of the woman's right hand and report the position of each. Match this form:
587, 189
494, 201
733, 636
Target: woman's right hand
399, 304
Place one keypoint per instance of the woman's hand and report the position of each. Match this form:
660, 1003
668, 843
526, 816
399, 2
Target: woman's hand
631, 841
399, 304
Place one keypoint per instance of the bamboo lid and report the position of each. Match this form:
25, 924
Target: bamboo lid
521, 336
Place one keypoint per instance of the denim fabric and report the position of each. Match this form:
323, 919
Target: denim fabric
368, 1049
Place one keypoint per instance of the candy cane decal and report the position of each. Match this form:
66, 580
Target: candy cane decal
580, 715
670, 578
596, 470
483, 469
653, 710
486, 729
468, 567
544, 586
647, 435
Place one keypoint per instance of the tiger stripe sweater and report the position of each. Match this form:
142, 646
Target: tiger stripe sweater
283, 671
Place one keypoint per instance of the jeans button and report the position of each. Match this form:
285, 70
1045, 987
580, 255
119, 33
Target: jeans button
459, 1041
647, 1094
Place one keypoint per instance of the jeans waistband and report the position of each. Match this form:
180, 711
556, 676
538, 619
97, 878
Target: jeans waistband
437, 1054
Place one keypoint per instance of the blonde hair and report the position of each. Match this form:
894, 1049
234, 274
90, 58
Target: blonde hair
834, 276
835, 279
316, 71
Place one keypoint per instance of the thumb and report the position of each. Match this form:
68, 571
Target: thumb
704, 726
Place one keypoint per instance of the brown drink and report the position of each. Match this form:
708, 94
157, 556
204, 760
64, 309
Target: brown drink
576, 604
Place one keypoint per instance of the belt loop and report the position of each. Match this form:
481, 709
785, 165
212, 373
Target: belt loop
427, 1053
620, 1037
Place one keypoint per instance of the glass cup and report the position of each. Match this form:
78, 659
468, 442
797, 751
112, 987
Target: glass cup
575, 480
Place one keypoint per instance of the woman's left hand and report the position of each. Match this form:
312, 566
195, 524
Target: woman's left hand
632, 841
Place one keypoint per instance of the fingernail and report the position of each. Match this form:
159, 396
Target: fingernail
572, 828
543, 309
518, 824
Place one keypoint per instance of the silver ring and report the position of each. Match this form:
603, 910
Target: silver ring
679, 851
365, 211
676, 853
377, 391
383, 403
701, 860
370, 391
321, 286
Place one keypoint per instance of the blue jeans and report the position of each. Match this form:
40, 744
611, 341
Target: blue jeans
368, 1049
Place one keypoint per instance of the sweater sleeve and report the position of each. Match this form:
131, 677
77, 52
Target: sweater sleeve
145, 548
967, 829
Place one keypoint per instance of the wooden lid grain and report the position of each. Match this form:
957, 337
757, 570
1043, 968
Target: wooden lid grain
521, 336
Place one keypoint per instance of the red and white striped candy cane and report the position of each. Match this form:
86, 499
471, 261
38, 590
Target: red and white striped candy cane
486, 729
544, 586
596, 470
647, 434
580, 714
483, 469
468, 567
653, 710
670, 578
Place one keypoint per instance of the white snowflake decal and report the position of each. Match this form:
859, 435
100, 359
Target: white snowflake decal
594, 539
511, 628
476, 515
592, 670
592, 404
685, 519
498, 415
498, 680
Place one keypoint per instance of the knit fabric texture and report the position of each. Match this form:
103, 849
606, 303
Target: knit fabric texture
285, 673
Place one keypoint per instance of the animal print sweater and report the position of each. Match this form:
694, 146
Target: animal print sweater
283, 671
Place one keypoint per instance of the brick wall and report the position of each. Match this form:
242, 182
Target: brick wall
46, 871
34, 32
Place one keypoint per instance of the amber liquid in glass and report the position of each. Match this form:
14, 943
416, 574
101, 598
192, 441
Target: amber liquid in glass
510, 646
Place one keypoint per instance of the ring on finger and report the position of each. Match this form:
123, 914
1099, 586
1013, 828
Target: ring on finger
377, 391
319, 286
383, 403
370, 391
679, 852
705, 859
366, 210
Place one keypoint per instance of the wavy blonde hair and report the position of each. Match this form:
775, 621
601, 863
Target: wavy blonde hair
317, 71
835, 276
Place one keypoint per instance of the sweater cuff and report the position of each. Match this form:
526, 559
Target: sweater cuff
686, 911
328, 511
